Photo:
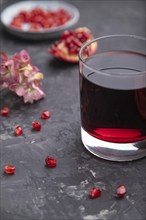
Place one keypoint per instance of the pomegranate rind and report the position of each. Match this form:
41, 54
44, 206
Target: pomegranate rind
60, 50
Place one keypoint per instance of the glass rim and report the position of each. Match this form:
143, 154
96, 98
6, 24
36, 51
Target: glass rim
105, 37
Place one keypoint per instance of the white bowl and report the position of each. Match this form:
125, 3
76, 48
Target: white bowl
11, 11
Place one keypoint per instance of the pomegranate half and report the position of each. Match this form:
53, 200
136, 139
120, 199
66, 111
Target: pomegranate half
68, 46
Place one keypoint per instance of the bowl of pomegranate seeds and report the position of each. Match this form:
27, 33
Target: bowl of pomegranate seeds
39, 19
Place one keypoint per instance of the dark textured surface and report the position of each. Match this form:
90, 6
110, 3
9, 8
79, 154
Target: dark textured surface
38, 193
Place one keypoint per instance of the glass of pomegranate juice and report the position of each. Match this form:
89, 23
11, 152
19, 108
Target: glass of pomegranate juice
113, 97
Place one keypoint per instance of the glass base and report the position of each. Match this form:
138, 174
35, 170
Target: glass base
113, 151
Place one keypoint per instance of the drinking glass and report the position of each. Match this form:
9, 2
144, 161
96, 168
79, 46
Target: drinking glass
113, 97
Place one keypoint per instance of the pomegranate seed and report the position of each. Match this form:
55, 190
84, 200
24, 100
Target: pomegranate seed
34, 27
73, 41
82, 36
18, 131
45, 114
9, 169
121, 191
36, 126
51, 162
17, 23
5, 111
94, 193
66, 34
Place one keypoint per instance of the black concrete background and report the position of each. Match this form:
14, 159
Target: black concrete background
38, 193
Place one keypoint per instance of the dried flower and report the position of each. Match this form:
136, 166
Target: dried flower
18, 74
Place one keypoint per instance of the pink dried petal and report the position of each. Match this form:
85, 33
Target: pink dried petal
24, 56
10, 66
3, 85
8, 74
33, 93
35, 76
20, 90
3, 56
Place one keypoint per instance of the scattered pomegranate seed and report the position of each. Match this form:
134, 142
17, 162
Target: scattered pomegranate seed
9, 169
45, 114
18, 131
5, 111
94, 193
121, 191
51, 162
36, 126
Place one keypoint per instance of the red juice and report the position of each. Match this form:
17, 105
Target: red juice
113, 105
